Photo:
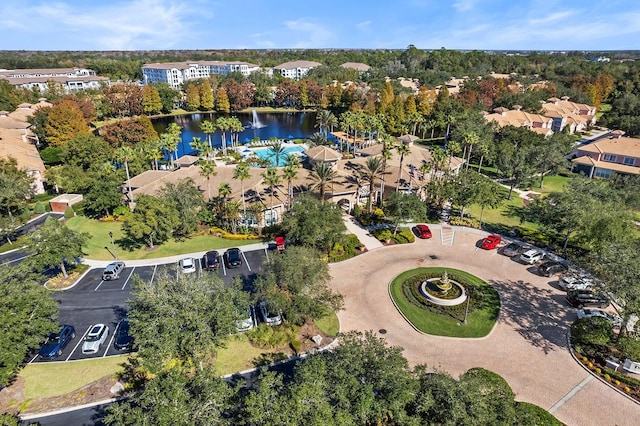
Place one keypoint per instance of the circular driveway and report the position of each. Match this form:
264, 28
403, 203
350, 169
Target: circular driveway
528, 346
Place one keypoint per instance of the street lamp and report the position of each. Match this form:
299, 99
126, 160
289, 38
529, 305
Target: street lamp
113, 245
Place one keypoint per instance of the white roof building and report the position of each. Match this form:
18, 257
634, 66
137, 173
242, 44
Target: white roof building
295, 69
176, 73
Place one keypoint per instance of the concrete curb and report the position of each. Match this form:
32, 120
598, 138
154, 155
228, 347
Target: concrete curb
31, 416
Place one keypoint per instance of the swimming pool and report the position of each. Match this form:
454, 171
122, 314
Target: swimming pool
267, 154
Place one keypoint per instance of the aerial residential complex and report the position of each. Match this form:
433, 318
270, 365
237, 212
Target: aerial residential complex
295, 69
71, 79
176, 73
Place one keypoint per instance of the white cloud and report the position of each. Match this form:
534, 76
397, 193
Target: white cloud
313, 35
137, 24
364, 25
464, 5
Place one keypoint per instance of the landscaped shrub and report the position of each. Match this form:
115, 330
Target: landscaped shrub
269, 337
219, 232
121, 212
69, 213
403, 236
349, 249
39, 208
464, 221
383, 234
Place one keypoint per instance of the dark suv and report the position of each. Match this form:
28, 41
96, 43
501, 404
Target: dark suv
583, 298
211, 260
551, 267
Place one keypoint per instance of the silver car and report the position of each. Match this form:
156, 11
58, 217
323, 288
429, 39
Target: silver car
531, 256
96, 337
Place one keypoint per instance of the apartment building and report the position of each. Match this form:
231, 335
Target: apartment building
70, 79
606, 157
295, 70
176, 73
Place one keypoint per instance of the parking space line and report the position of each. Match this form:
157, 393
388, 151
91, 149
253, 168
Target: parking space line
113, 336
78, 344
128, 278
18, 259
96, 289
266, 254
245, 260
224, 268
33, 359
155, 268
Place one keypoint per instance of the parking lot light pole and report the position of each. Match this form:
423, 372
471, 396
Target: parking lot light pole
113, 246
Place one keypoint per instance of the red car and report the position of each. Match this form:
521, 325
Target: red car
492, 241
423, 231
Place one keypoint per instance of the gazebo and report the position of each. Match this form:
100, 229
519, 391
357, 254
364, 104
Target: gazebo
323, 154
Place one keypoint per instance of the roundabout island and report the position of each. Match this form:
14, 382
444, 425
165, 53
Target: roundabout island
446, 302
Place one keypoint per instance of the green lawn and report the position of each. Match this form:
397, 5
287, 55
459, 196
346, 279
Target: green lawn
554, 183
604, 108
479, 322
100, 239
43, 380
15, 244
238, 355
329, 324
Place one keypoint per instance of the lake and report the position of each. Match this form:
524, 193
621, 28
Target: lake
284, 125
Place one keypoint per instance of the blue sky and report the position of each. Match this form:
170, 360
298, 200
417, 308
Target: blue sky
263, 24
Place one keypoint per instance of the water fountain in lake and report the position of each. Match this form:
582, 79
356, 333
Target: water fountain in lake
255, 122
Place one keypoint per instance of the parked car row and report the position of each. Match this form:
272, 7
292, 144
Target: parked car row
55, 343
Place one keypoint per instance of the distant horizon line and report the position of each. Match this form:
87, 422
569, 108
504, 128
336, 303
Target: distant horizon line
327, 49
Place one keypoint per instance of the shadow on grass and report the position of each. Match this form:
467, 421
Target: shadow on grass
269, 358
538, 315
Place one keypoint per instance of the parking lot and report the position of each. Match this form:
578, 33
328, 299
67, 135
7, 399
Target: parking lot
94, 301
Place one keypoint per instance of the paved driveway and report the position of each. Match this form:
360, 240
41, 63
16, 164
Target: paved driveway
528, 346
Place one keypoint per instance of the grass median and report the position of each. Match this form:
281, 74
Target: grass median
99, 231
44, 380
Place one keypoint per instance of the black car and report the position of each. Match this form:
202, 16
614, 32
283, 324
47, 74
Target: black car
211, 260
584, 298
124, 340
233, 258
56, 342
552, 267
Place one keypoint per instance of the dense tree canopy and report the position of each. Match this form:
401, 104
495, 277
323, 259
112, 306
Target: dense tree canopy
27, 315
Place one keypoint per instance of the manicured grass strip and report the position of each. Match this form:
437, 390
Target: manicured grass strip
329, 324
479, 322
238, 355
43, 380
100, 239
15, 244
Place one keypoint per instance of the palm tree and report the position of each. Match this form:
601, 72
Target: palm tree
325, 120
318, 139
152, 152
209, 128
175, 136
224, 190
278, 150
207, 170
222, 123
170, 145
236, 127
271, 178
198, 146
322, 174
429, 124
241, 173
402, 150
290, 172
469, 139
386, 155
125, 154
372, 169
232, 214
438, 160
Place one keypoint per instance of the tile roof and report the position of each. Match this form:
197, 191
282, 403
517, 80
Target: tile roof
359, 66
616, 167
624, 146
297, 64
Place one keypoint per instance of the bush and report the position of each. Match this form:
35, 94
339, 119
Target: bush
464, 221
39, 208
296, 346
121, 211
268, 337
384, 235
69, 213
404, 236
592, 331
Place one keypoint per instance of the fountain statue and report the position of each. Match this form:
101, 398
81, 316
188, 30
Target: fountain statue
255, 122
444, 285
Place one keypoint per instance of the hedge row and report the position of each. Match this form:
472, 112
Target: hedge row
218, 232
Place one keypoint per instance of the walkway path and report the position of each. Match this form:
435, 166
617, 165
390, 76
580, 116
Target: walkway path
528, 346
365, 237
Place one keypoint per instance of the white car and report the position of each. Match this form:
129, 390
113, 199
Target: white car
246, 323
96, 337
187, 265
572, 282
531, 256
615, 320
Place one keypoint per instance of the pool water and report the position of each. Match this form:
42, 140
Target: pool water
267, 154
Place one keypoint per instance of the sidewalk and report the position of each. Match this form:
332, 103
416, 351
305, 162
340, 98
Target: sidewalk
170, 259
365, 237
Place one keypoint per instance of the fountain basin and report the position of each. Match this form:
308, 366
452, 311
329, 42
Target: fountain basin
456, 295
